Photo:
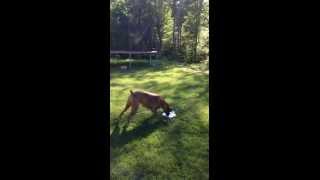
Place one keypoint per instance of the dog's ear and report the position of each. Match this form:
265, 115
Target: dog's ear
131, 92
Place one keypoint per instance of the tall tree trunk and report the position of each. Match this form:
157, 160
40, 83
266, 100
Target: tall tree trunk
174, 13
159, 22
179, 37
160, 41
199, 5
174, 32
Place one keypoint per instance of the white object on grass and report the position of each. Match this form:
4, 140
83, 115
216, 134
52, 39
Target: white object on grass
172, 114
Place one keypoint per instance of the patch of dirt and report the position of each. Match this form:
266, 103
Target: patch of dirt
194, 71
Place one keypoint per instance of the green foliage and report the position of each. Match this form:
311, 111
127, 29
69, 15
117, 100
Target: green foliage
146, 24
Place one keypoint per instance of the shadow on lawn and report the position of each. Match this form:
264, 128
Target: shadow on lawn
119, 139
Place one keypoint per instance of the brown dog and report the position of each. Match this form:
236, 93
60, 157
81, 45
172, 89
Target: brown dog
149, 100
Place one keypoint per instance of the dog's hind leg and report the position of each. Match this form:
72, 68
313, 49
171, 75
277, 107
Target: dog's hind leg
125, 109
134, 109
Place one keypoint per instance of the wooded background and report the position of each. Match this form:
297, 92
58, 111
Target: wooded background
178, 29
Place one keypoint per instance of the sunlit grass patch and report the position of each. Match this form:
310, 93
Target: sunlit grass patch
150, 147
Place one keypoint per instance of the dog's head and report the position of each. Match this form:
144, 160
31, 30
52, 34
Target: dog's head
165, 106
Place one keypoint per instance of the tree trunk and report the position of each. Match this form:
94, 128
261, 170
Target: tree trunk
174, 32
179, 37
159, 22
197, 29
174, 13
160, 41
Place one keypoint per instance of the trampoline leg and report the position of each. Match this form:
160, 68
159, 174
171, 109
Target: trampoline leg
150, 60
129, 61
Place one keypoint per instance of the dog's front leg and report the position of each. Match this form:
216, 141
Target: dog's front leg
154, 110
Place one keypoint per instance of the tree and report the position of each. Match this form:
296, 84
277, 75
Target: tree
171, 26
159, 20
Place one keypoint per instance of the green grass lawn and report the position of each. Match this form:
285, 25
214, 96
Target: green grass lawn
150, 147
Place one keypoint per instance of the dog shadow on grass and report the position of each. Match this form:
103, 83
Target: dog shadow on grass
120, 138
